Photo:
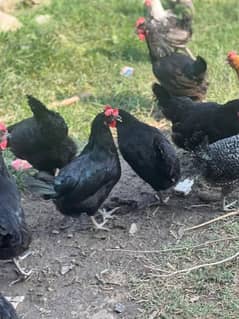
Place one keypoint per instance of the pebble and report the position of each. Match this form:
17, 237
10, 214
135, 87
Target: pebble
119, 308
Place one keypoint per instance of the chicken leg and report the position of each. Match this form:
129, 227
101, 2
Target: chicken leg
230, 206
160, 198
106, 215
23, 274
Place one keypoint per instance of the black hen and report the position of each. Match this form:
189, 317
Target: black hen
178, 73
43, 139
219, 163
14, 234
6, 309
182, 76
84, 184
147, 151
193, 121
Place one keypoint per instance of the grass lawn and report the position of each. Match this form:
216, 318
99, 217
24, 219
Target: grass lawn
82, 49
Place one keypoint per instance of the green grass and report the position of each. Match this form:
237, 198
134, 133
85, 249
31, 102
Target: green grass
82, 49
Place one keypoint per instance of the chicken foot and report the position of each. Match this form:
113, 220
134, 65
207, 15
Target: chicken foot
23, 275
160, 198
228, 207
106, 215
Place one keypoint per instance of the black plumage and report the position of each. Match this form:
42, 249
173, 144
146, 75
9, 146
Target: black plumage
15, 237
148, 152
219, 164
181, 76
177, 73
84, 184
193, 121
6, 309
43, 139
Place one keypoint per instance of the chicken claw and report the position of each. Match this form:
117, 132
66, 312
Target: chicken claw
228, 207
160, 198
106, 215
97, 225
23, 274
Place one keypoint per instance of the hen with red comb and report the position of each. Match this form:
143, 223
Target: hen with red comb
85, 183
147, 151
14, 234
172, 27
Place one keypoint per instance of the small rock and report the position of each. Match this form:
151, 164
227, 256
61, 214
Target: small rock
9, 23
119, 308
66, 268
43, 19
133, 229
55, 232
70, 236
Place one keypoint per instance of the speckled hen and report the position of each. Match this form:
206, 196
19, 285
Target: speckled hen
220, 165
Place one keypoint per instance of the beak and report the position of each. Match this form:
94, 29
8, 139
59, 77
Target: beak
119, 118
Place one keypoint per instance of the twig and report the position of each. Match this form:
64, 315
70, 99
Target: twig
213, 220
171, 249
187, 270
66, 102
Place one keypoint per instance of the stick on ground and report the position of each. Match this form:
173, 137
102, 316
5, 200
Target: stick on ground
187, 270
213, 220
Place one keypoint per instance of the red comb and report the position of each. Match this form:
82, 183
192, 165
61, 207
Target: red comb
140, 21
3, 127
3, 139
147, 3
108, 110
231, 54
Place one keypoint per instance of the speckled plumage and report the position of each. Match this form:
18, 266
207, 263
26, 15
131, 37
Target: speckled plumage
221, 161
220, 164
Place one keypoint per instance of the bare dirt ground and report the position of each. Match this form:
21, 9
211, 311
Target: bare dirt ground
81, 273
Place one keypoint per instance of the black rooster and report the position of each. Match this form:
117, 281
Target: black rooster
84, 184
219, 164
146, 150
43, 139
178, 73
6, 309
14, 234
193, 121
